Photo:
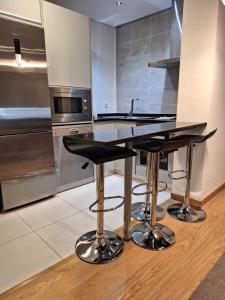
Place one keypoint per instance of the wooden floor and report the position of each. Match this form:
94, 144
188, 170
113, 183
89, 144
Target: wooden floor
138, 273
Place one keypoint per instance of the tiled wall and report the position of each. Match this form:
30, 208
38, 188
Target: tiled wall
138, 42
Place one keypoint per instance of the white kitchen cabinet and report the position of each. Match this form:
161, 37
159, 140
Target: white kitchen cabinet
67, 36
25, 9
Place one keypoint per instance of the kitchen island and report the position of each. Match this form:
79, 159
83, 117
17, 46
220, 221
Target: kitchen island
128, 136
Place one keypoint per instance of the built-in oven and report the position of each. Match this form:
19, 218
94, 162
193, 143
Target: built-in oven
70, 105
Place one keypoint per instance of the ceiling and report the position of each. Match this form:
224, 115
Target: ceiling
106, 11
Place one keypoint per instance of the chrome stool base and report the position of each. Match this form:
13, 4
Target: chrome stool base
137, 206
140, 215
186, 214
157, 237
94, 251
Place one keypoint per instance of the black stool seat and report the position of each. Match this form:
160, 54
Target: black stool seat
194, 138
156, 145
97, 154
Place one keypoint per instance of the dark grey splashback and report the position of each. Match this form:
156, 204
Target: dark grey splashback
139, 42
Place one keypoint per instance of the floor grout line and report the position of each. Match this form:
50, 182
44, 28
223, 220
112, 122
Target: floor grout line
14, 239
61, 258
73, 206
34, 229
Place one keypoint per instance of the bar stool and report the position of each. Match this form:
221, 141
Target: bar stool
183, 211
99, 246
150, 234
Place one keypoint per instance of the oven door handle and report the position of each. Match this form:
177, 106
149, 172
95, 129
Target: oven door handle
74, 131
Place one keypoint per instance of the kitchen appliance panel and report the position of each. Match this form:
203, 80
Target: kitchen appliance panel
69, 166
27, 168
27, 189
26, 155
24, 93
70, 105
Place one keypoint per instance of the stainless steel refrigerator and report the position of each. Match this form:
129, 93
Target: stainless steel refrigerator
27, 167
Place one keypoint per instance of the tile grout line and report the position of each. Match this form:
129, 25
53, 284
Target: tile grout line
143, 38
61, 258
14, 239
79, 210
22, 235
33, 231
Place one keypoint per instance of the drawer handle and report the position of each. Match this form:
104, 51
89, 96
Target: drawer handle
74, 131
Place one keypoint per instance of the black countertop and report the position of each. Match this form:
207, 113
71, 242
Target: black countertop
132, 134
138, 118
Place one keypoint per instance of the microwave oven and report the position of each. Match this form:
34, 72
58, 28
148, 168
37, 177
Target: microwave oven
70, 105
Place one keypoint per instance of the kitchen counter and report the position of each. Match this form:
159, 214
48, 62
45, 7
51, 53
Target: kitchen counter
133, 134
138, 118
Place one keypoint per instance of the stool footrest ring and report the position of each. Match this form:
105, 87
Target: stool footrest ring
148, 192
184, 176
108, 209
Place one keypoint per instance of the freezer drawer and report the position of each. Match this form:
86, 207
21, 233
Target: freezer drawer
28, 189
27, 168
26, 155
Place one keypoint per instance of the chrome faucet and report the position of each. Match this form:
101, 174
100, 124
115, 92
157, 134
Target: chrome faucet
132, 106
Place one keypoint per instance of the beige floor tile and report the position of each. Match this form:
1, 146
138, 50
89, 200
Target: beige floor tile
62, 235
22, 258
46, 212
12, 227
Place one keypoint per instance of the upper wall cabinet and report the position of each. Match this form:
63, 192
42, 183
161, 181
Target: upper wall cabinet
26, 9
67, 36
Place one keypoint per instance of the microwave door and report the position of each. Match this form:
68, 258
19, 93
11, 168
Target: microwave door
68, 105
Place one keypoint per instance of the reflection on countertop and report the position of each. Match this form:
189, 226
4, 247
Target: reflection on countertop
138, 118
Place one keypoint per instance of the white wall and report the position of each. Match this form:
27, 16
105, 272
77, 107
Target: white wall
103, 49
202, 91
214, 169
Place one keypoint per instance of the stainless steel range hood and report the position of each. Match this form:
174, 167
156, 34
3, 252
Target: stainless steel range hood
175, 39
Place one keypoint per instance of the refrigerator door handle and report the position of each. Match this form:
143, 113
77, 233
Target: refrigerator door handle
17, 51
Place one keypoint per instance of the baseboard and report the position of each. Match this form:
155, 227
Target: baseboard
213, 194
199, 203
195, 203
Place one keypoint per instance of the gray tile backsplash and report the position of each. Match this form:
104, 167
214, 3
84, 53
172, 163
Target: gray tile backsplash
160, 47
139, 42
132, 31
160, 23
